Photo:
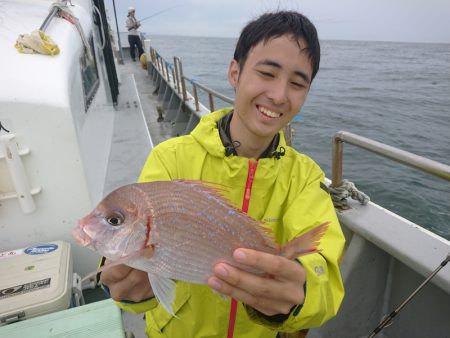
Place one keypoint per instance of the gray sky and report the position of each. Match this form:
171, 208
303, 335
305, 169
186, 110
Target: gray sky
380, 20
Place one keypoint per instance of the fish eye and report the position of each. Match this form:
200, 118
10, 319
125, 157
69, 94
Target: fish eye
114, 220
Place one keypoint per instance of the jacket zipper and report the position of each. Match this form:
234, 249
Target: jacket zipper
248, 186
245, 204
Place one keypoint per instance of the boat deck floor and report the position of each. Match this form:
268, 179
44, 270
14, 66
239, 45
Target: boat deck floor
136, 128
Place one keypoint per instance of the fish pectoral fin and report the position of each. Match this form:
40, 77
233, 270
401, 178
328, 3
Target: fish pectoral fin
164, 290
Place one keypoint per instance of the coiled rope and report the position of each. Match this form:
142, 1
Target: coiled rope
340, 194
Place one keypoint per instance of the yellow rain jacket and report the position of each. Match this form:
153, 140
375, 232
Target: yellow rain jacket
288, 194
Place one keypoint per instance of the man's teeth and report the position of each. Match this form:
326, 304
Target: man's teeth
268, 112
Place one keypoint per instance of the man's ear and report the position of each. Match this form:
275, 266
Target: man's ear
233, 73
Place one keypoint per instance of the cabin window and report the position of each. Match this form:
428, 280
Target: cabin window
89, 75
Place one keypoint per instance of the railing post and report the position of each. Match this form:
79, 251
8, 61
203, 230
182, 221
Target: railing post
159, 63
183, 83
211, 101
336, 171
177, 72
174, 78
287, 131
167, 72
194, 89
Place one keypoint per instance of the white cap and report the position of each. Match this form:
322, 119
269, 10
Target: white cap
131, 9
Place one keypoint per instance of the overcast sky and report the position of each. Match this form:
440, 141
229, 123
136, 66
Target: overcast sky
379, 20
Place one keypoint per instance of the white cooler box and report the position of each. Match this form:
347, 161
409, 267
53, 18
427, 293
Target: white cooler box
35, 281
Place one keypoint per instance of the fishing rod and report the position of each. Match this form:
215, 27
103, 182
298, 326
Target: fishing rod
161, 11
388, 319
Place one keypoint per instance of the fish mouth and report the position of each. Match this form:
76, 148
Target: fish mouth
81, 237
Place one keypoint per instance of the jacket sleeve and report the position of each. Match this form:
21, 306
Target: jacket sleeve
324, 290
131, 24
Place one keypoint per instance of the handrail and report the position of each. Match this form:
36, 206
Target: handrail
429, 166
49, 18
180, 80
211, 91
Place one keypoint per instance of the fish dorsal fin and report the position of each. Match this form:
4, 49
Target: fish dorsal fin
304, 244
267, 234
164, 290
212, 188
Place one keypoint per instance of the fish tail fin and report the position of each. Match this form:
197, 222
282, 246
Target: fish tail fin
304, 244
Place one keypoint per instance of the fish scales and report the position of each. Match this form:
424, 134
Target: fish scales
239, 222
187, 223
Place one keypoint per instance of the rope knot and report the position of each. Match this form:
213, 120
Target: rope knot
347, 189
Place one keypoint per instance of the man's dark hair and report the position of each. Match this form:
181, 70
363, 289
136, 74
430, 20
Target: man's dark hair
273, 25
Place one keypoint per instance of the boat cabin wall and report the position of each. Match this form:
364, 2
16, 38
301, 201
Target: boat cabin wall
58, 123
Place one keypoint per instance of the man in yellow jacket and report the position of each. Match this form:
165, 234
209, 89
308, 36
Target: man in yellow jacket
275, 61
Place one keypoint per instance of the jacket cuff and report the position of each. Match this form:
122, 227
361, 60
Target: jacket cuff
274, 321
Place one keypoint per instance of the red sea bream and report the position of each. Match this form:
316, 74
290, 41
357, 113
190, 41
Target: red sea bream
178, 230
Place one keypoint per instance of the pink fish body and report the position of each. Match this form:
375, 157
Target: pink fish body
178, 230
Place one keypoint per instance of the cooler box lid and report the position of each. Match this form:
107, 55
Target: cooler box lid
35, 280
96, 320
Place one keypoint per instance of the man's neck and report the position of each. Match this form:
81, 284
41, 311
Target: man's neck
251, 146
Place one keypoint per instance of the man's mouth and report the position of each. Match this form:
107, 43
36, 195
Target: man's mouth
267, 112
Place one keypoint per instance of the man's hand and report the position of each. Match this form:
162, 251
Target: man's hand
126, 283
275, 292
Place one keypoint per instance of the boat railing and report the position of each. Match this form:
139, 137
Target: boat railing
429, 166
173, 73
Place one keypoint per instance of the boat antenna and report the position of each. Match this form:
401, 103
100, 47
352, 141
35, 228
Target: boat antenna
388, 319
157, 13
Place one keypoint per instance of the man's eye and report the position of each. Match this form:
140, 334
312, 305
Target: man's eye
298, 85
266, 73
114, 220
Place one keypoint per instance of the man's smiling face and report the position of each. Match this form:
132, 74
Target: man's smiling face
270, 88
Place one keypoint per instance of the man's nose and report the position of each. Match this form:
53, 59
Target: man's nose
278, 93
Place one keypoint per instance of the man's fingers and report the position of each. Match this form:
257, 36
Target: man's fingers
274, 265
255, 284
126, 283
115, 273
268, 306
258, 286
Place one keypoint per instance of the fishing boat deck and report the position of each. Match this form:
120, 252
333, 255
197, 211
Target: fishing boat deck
136, 129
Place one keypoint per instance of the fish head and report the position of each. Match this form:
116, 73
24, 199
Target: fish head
116, 228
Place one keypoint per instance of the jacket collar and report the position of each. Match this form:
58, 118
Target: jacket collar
218, 123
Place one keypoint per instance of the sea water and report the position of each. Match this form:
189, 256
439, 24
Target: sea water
395, 93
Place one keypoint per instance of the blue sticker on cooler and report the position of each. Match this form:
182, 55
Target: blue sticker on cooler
41, 249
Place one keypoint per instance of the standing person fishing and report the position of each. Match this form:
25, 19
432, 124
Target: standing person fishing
134, 38
242, 148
